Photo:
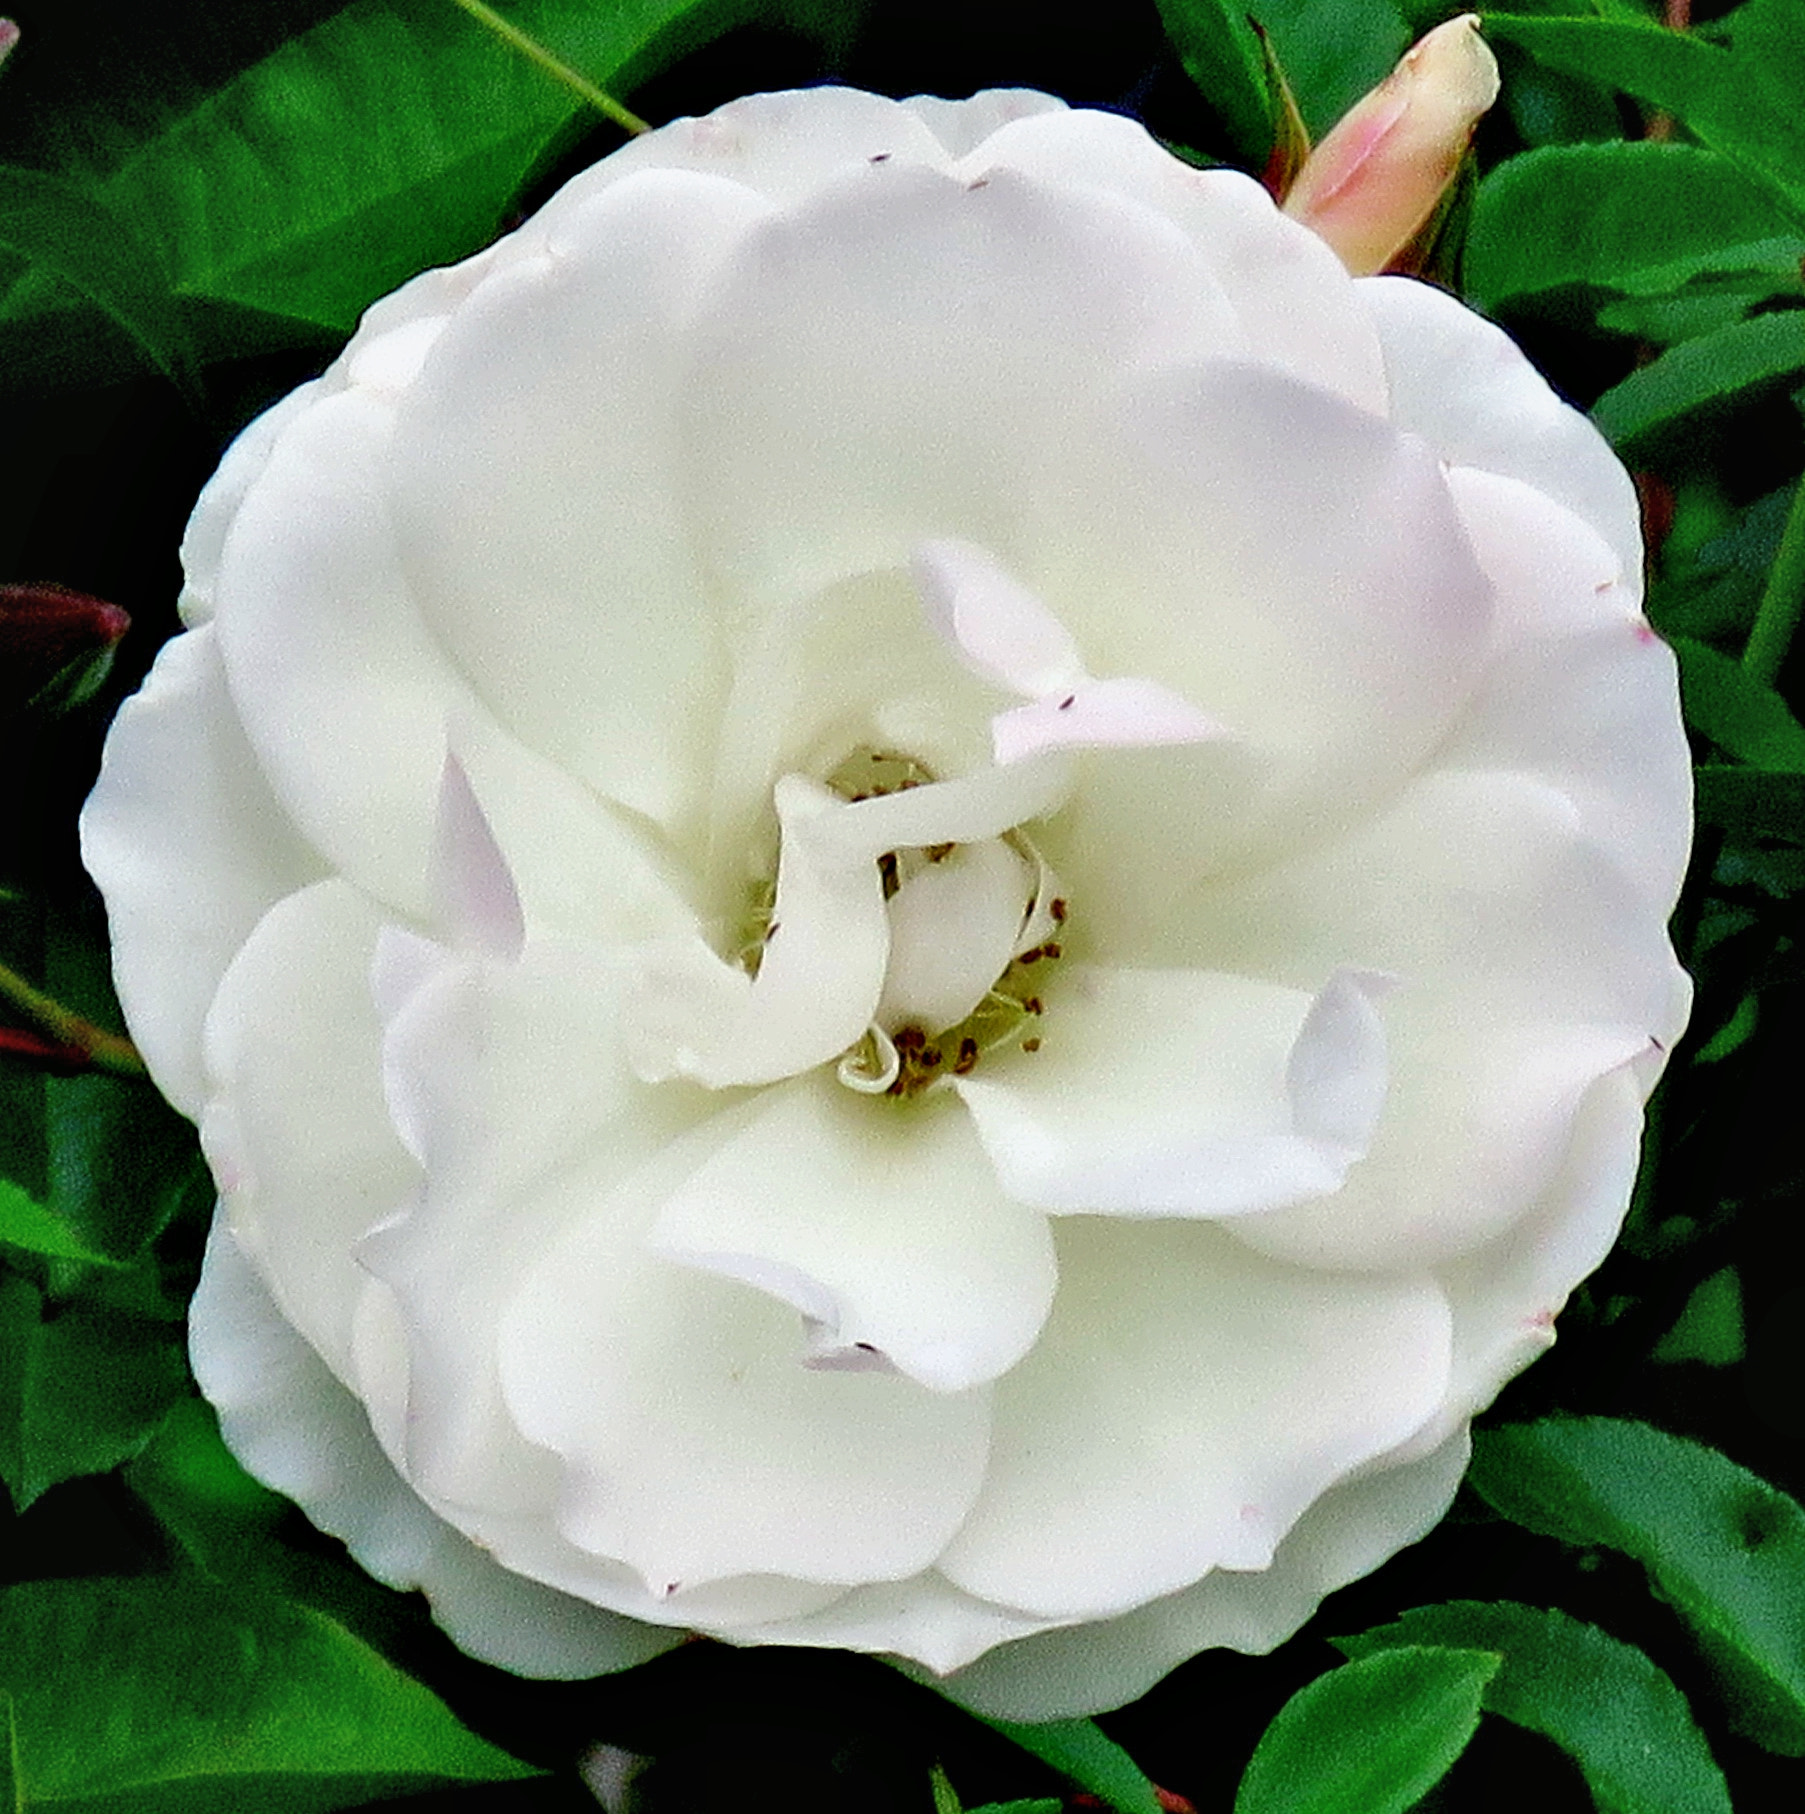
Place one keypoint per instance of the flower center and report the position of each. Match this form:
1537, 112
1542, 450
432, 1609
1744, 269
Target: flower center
909, 915
974, 927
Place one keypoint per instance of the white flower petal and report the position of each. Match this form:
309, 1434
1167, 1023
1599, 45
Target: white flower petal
925, 1620
954, 926
1000, 629
190, 849
497, 1075
1090, 1668
1180, 1092
204, 540
535, 495
962, 126
1581, 692
696, 1015
982, 804
297, 1131
892, 1236
476, 891
1506, 1095
668, 1393
1202, 1398
1006, 314
1290, 292
1464, 386
785, 146
1102, 715
1506, 1295
1484, 883
299, 1431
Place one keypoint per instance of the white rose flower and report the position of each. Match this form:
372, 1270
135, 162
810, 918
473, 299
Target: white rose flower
913, 889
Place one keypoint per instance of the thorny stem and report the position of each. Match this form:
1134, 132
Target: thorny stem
93, 1045
559, 70
1783, 600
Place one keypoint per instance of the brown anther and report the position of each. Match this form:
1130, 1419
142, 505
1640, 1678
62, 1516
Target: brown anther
931, 1056
968, 1056
937, 853
1070, 700
1050, 950
1056, 907
771, 930
1032, 1004
1030, 957
1032, 1043
909, 1039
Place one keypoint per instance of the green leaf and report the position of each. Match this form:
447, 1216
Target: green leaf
1701, 307
213, 1508
103, 1153
1619, 1718
1333, 51
1744, 718
182, 1697
12, 1792
21, 1305
1725, 1547
1730, 1037
1710, 1330
946, 1799
91, 1387
1710, 373
1221, 54
1642, 218
1084, 1752
1035, 1804
26, 1223
1751, 802
388, 138
1371, 1737
1736, 100
65, 231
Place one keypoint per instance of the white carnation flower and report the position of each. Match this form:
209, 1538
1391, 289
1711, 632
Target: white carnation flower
913, 890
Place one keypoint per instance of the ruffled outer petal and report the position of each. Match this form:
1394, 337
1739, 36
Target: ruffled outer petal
498, 1074
190, 849
1092, 1667
1293, 296
1203, 1397
301, 1432
1463, 385
296, 1130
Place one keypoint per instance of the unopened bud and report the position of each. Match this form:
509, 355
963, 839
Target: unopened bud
1373, 182
55, 646
9, 36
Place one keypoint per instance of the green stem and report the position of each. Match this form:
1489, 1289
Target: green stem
531, 48
1783, 601
103, 1050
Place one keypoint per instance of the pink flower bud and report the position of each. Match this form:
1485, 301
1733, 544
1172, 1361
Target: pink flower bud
55, 645
9, 36
1376, 178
